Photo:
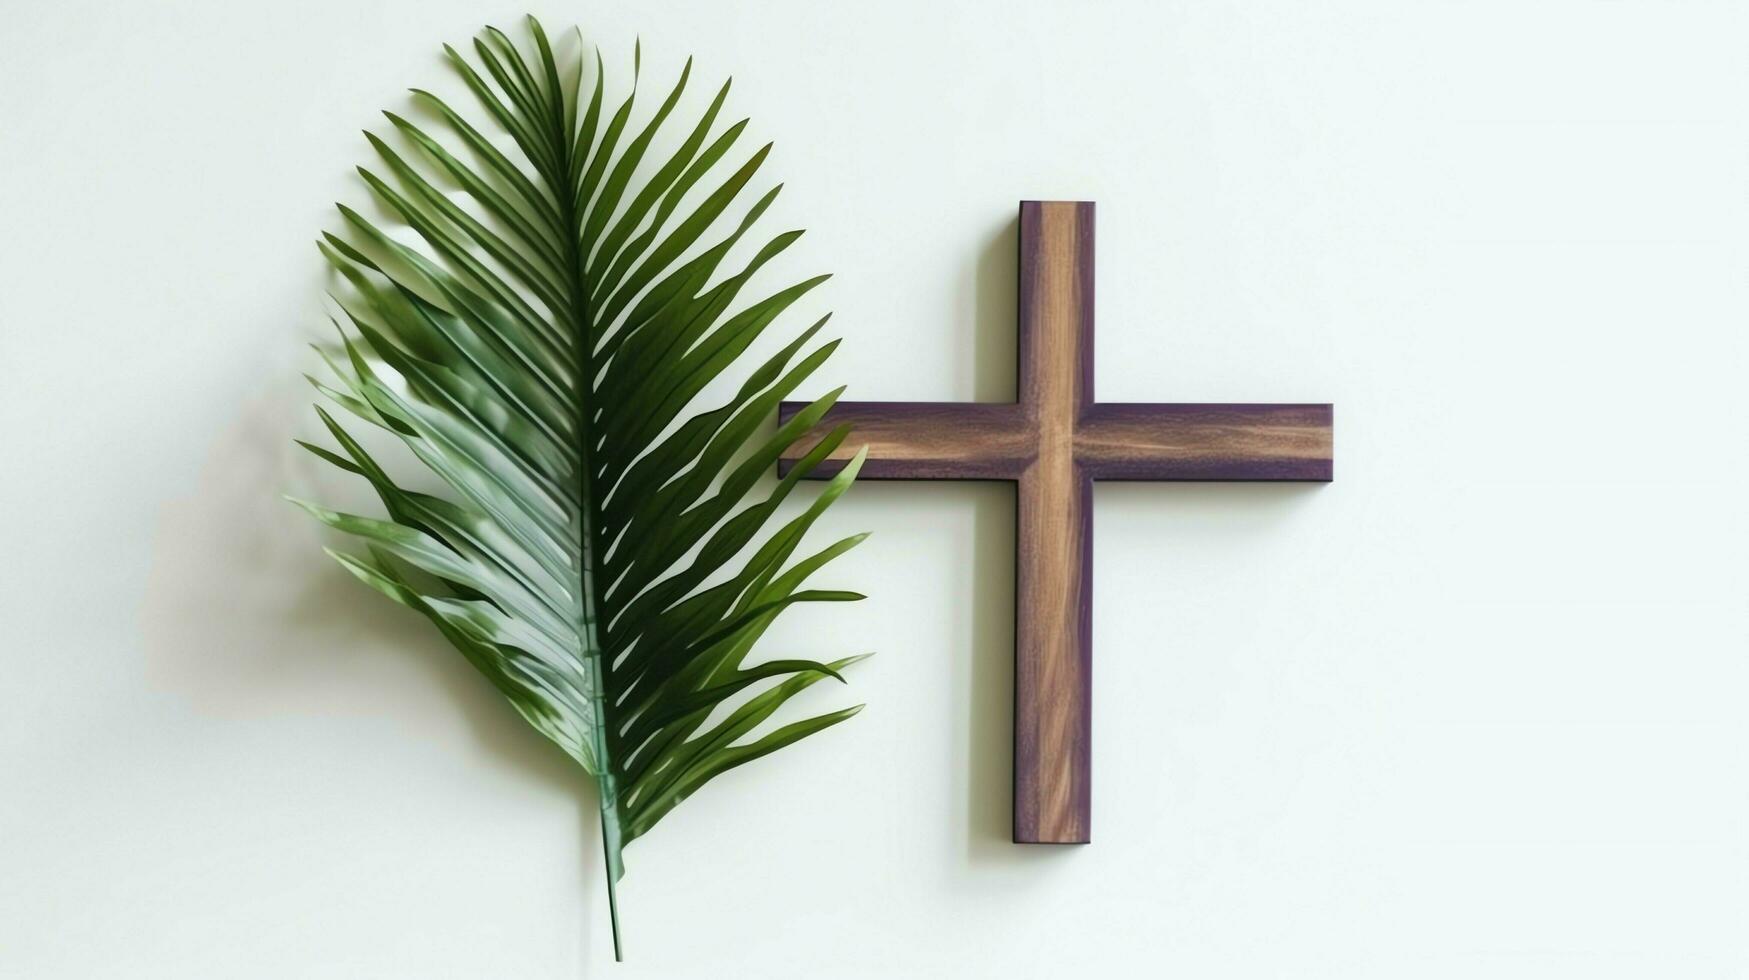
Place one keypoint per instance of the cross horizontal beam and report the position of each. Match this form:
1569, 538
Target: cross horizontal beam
1172, 442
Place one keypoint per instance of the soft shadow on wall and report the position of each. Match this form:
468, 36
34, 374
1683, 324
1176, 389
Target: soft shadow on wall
245, 620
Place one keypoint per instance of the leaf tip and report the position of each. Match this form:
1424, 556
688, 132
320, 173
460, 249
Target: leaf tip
306, 506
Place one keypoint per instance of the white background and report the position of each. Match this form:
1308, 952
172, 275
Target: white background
1473, 710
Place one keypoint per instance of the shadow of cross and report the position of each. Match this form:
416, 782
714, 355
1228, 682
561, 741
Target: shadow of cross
1053, 443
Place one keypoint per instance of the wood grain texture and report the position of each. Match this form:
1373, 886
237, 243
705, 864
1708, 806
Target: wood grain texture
1116, 441
1052, 444
921, 440
1053, 666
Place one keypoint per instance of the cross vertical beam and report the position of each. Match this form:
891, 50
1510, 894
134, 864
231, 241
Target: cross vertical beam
1053, 664
1052, 444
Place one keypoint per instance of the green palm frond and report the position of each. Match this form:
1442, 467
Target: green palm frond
605, 554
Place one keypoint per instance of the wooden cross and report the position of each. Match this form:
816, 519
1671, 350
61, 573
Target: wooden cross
1053, 443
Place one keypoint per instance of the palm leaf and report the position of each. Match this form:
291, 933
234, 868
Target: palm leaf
606, 555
